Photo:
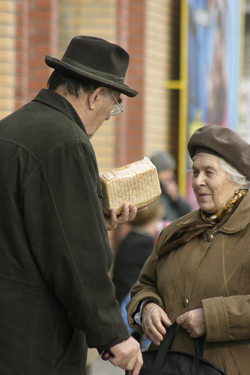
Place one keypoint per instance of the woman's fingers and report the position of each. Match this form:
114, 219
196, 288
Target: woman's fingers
193, 322
154, 320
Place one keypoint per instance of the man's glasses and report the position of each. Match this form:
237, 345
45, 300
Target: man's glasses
117, 108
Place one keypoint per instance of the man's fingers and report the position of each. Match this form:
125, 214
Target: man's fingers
126, 355
137, 367
106, 356
128, 213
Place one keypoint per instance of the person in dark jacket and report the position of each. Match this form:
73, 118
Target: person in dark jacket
56, 296
135, 248
132, 253
175, 206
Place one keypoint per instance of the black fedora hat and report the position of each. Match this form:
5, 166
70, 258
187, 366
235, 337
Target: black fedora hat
96, 60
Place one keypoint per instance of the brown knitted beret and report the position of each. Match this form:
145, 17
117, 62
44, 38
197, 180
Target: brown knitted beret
223, 142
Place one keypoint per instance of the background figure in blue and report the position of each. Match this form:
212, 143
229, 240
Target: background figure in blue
174, 205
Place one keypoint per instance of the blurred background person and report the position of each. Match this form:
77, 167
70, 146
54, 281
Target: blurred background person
136, 247
131, 255
174, 205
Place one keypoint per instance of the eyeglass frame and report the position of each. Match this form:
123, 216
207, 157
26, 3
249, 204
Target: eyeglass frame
117, 107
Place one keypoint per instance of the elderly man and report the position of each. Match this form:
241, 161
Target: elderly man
56, 298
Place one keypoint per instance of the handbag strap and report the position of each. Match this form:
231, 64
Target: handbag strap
199, 347
166, 346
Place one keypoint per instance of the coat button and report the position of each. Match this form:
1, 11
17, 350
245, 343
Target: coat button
210, 237
185, 302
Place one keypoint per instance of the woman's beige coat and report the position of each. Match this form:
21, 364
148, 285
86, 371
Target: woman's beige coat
212, 271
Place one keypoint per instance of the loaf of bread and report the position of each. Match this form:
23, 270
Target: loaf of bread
136, 183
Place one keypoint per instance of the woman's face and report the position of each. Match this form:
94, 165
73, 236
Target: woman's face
210, 183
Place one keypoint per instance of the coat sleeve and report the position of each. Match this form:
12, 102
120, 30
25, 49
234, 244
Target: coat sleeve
66, 230
227, 318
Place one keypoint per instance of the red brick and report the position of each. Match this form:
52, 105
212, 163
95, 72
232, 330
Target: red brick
41, 74
21, 70
21, 44
35, 61
45, 50
21, 83
43, 27
44, 4
41, 15
38, 38
38, 85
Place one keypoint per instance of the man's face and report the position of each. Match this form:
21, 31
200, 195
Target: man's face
102, 104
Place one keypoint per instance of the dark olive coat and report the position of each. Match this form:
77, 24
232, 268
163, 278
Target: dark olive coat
55, 293
211, 271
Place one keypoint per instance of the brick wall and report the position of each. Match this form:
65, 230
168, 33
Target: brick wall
121, 121
98, 18
22, 53
157, 63
42, 29
7, 57
136, 79
35, 37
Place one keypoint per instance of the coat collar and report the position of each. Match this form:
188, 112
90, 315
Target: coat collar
58, 102
238, 221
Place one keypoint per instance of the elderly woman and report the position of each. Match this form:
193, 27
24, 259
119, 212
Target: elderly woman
199, 271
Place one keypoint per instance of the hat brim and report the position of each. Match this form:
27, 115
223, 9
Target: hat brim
73, 71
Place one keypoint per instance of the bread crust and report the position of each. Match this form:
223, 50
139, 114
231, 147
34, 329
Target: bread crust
136, 183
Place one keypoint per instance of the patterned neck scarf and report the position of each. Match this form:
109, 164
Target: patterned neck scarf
195, 228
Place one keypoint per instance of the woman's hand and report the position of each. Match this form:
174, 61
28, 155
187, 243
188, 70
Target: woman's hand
154, 319
193, 322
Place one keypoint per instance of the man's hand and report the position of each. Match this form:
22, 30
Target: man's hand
193, 322
154, 320
127, 355
128, 214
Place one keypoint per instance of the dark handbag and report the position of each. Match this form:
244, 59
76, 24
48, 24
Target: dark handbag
169, 362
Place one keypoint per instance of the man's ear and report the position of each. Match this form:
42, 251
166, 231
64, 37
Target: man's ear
95, 96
